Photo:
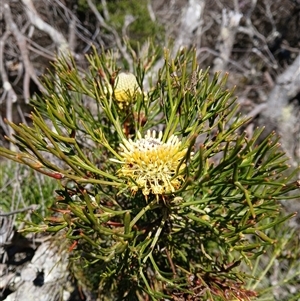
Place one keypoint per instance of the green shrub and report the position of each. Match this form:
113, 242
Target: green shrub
162, 194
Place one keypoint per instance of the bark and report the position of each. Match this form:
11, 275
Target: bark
191, 21
282, 114
229, 28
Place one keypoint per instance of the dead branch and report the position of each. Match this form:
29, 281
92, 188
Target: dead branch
120, 45
72, 34
37, 21
237, 65
22, 43
6, 85
229, 27
286, 88
191, 21
280, 115
29, 208
9, 93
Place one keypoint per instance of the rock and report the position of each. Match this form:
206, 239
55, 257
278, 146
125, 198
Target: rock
44, 278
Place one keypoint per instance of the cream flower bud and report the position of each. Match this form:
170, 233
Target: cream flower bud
126, 87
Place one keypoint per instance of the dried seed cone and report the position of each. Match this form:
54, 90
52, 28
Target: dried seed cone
126, 87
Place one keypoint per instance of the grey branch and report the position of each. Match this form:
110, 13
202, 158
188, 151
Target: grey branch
102, 22
31, 207
229, 27
191, 21
37, 21
21, 41
281, 115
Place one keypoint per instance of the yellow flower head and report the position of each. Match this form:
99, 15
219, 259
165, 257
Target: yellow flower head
126, 87
153, 164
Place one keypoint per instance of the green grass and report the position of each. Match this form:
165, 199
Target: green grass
21, 187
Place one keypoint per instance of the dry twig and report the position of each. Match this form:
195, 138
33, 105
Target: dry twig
22, 43
31, 207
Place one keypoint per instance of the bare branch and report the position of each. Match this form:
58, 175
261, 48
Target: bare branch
213, 52
72, 34
191, 20
9, 92
286, 88
280, 114
37, 21
151, 11
31, 207
230, 23
120, 45
105, 10
22, 43
257, 110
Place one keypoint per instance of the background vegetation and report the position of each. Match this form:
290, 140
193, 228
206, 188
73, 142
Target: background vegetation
265, 45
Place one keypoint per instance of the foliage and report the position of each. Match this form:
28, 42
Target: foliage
142, 27
162, 196
131, 16
22, 187
276, 273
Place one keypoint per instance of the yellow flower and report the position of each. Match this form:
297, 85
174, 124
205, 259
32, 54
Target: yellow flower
126, 87
153, 164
